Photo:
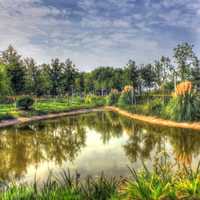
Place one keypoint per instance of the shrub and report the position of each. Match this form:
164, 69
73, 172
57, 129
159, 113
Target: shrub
113, 97
126, 96
25, 103
95, 100
155, 106
183, 108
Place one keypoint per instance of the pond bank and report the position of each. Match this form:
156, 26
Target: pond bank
155, 120
23, 120
143, 118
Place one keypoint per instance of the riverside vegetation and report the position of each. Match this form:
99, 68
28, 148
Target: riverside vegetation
164, 88
161, 89
162, 182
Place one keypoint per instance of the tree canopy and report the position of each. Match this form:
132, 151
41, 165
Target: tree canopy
20, 75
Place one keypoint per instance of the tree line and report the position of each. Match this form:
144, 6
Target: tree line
19, 76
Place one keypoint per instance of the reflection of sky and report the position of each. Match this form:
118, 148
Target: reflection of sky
96, 157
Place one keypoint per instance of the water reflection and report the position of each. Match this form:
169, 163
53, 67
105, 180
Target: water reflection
117, 142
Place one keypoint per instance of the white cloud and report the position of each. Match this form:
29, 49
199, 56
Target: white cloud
108, 32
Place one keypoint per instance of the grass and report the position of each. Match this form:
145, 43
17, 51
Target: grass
8, 111
162, 182
42, 107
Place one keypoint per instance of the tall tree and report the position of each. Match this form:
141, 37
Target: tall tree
103, 79
185, 59
196, 73
5, 88
16, 69
162, 71
31, 75
55, 71
131, 74
148, 76
70, 73
80, 83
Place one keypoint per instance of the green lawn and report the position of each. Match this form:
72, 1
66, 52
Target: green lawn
41, 107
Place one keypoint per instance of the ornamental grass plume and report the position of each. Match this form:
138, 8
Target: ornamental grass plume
184, 88
127, 88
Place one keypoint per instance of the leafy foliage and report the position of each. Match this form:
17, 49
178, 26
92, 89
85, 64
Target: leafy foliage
25, 103
126, 96
113, 97
183, 108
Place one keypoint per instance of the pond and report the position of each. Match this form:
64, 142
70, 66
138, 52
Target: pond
89, 144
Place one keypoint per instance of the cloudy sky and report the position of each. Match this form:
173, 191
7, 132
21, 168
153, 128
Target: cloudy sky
99, 32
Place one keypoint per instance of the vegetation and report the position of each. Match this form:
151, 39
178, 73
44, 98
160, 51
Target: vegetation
145, 89
126, 97
25, 76
45, 106
162, 182
113, 97
25, 103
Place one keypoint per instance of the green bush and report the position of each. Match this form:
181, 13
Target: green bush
183, 108
113, 97
95, 100
155, 107
125, 98
25, 103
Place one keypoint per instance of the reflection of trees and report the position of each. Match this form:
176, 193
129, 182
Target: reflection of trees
61, 140
141, 143
185, 144
57, 141
146, 139
105, 123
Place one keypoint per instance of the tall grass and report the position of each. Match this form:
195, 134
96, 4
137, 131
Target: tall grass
162, 182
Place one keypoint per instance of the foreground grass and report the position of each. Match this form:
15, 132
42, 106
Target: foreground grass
161, 183
42, 107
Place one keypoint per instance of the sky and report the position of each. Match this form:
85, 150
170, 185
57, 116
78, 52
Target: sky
99, 32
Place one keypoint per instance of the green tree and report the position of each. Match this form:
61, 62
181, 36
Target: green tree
131, 74
70, 74
43, 84
89, 83
103, 79
55, 71
196, 73
31, 75
16, 69
148, 76
185, 59
80, 83
5, 88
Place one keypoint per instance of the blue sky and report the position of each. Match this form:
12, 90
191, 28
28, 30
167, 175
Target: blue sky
99, 32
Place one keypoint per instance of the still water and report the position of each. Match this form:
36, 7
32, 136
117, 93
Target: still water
90, 143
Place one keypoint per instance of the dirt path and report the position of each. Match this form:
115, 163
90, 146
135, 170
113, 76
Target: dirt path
156, 121
21, 120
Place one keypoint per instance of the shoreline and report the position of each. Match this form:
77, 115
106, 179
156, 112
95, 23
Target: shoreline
23, 120
147, 119
155, 120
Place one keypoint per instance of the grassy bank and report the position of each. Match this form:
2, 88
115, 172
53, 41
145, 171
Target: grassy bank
48, 106
160, 183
